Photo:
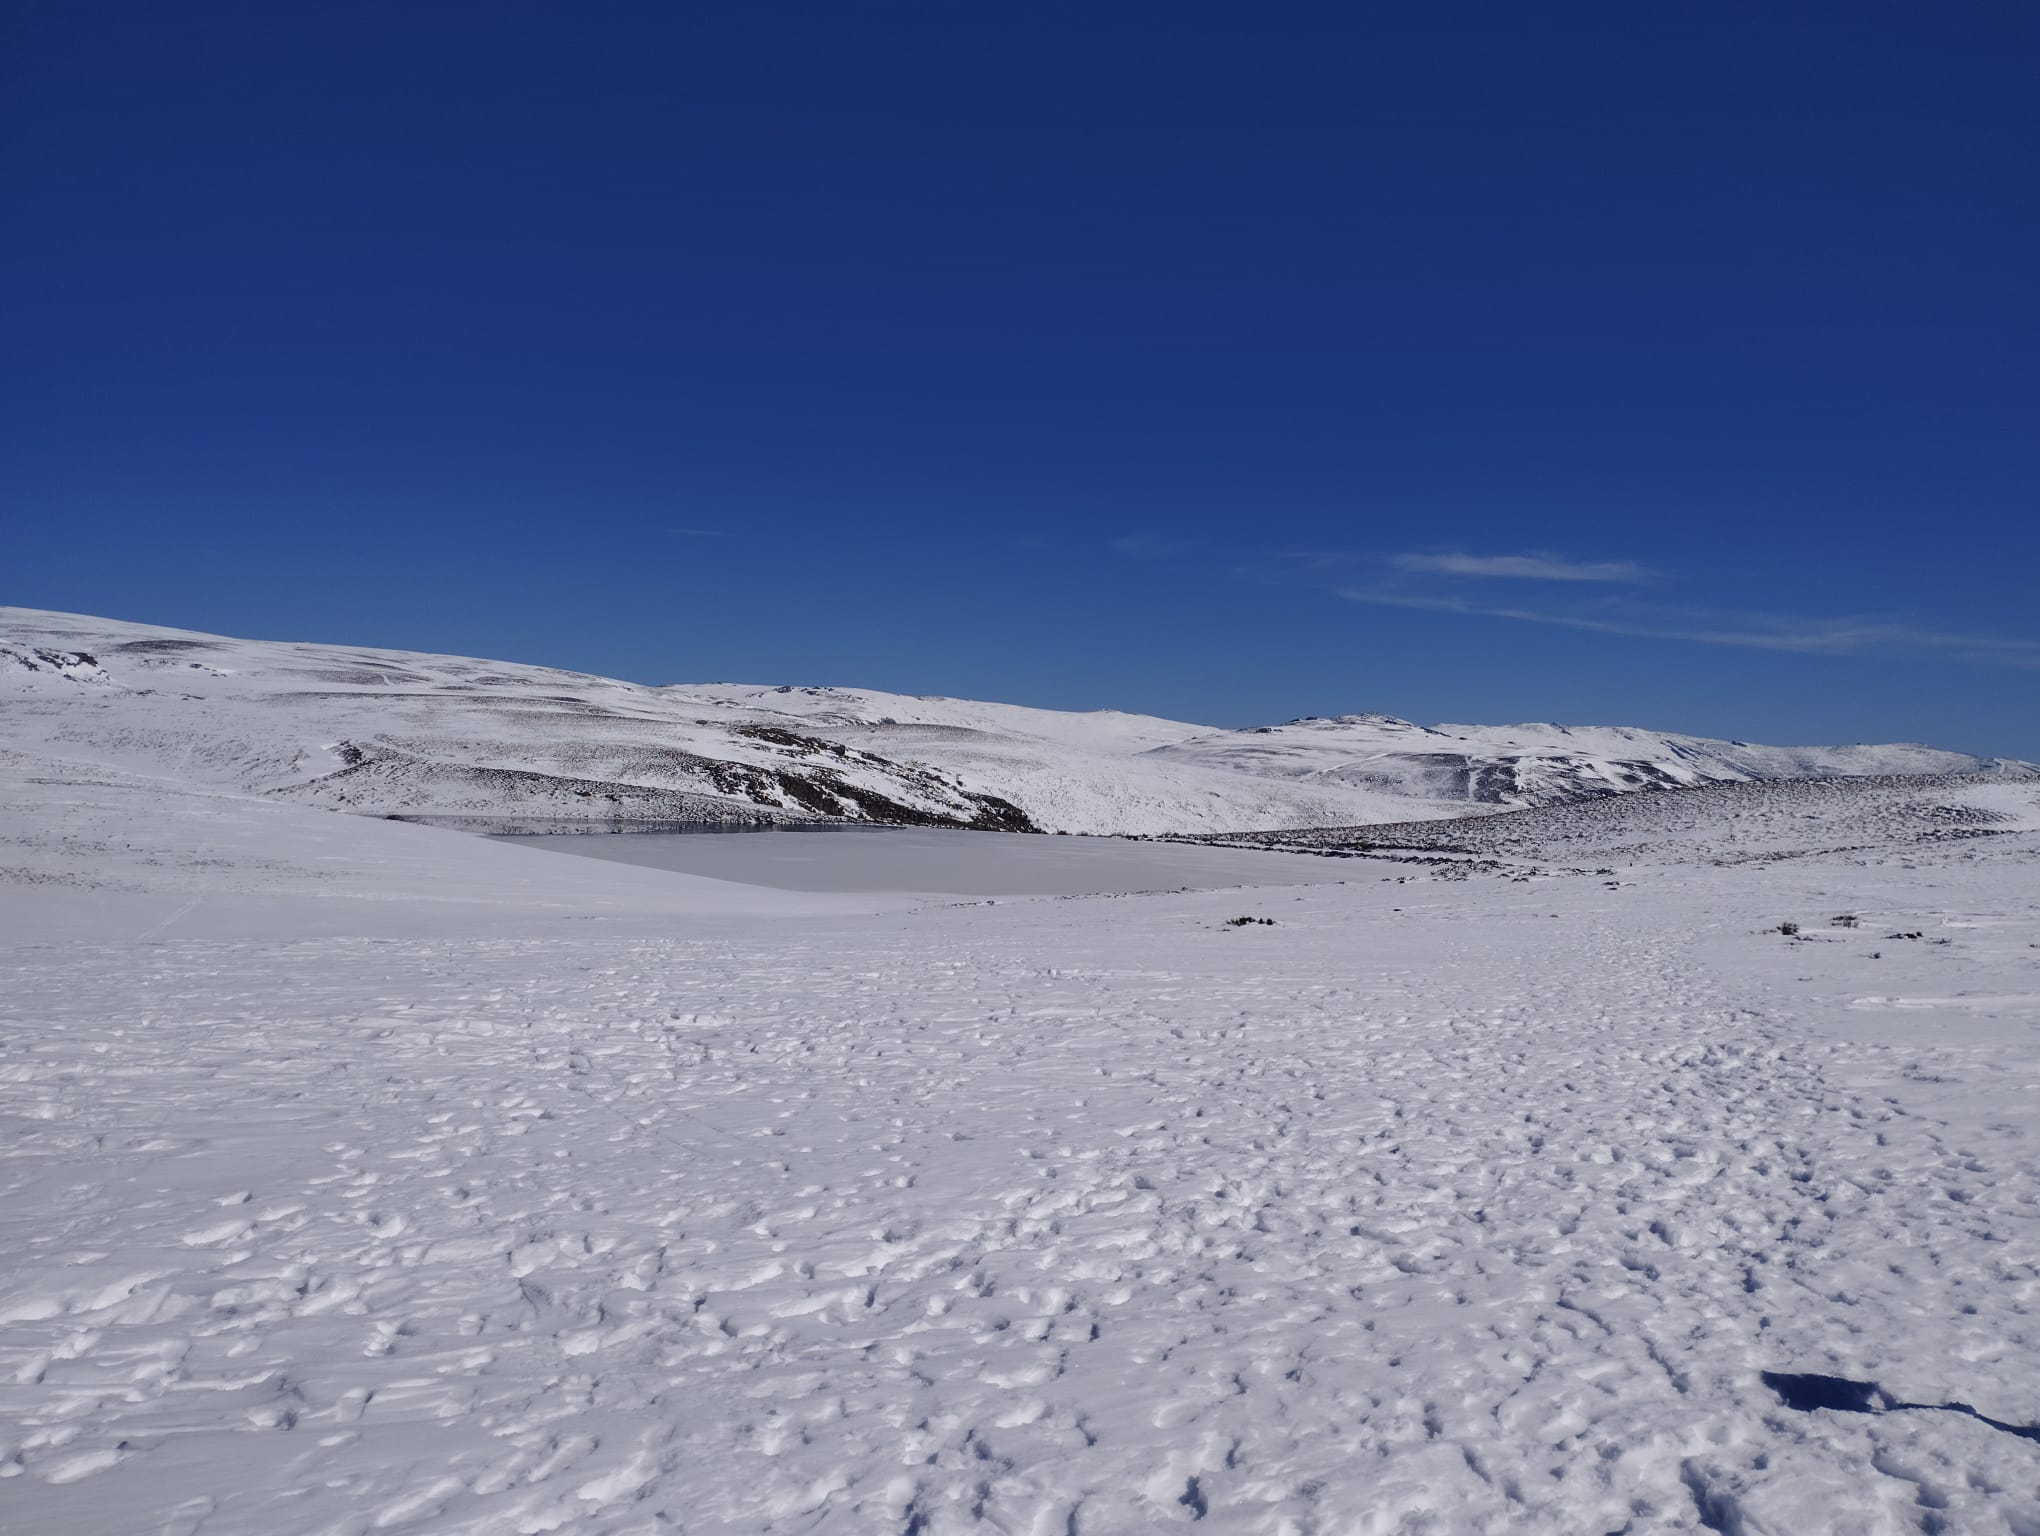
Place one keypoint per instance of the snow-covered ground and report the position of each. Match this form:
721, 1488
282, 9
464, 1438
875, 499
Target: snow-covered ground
360, 1177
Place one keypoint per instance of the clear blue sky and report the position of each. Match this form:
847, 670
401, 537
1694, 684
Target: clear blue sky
1670, 365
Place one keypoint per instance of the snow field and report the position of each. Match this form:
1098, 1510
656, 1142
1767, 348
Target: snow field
1470, 1206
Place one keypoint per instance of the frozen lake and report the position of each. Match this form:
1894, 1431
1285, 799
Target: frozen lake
940, 862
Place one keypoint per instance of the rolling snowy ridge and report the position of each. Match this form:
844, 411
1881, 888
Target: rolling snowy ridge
1526, 765
403, 733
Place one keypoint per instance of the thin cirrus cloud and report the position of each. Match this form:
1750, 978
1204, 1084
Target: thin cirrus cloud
1473, 585
1522, 567
1757, 631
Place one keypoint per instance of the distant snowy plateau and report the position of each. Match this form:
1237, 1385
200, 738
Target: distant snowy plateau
1428, 1137
395, 732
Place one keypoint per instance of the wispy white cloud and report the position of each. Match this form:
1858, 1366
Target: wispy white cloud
1756, 631
1442, 583
1533, 567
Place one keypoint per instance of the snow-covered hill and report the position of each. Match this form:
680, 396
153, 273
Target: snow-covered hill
397, 732
1102, 771
1526, 765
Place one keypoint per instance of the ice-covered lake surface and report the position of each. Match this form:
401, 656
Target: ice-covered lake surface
359, 1178
942, 861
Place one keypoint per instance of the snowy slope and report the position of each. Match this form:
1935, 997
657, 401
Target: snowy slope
389, 731
1106, 731
393, 732
399, 732
1099, 771
1518, 765
1866, 819
362, 1178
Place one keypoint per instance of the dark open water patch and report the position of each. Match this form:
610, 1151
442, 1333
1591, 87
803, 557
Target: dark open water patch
1806, 1393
